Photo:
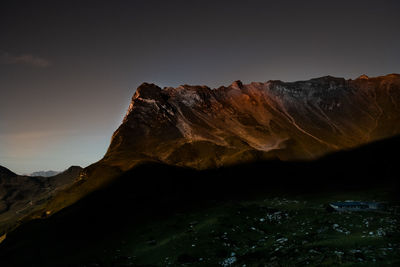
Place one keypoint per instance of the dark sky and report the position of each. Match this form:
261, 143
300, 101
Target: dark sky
69, 68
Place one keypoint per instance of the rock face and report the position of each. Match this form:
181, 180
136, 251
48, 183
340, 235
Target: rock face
203, 128
199, 127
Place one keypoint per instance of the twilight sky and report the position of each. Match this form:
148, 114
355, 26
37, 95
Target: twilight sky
69, 68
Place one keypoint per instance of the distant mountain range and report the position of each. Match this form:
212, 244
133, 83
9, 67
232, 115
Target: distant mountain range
44, 173
201, 128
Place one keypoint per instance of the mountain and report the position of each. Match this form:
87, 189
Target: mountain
202, 128
44, 173
157, 211
185, 145
199, 127
20, 195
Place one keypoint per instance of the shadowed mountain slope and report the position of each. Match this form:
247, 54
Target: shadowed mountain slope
152, 192
21, 195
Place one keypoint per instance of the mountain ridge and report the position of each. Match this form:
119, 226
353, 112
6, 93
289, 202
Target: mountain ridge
201, 128
311, 113
152, 192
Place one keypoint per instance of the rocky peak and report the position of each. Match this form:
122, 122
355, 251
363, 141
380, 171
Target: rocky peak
363, 77
237, 84
201, 127
326, 80
147, 91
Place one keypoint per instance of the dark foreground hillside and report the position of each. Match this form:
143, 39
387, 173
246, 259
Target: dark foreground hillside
269, 213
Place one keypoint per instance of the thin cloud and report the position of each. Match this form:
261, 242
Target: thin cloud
38, 134
31, 143
24, 59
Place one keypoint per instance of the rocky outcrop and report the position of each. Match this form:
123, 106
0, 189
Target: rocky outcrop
199, 127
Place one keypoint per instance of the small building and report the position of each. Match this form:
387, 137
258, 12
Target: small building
356, 206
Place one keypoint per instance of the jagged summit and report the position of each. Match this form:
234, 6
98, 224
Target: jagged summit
363, 77
327, 78
237, 84
147, 91
201, 127
153, 91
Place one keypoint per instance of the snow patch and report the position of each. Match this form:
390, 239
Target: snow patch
189, 98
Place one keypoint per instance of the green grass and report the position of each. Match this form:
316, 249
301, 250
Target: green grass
274, 231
